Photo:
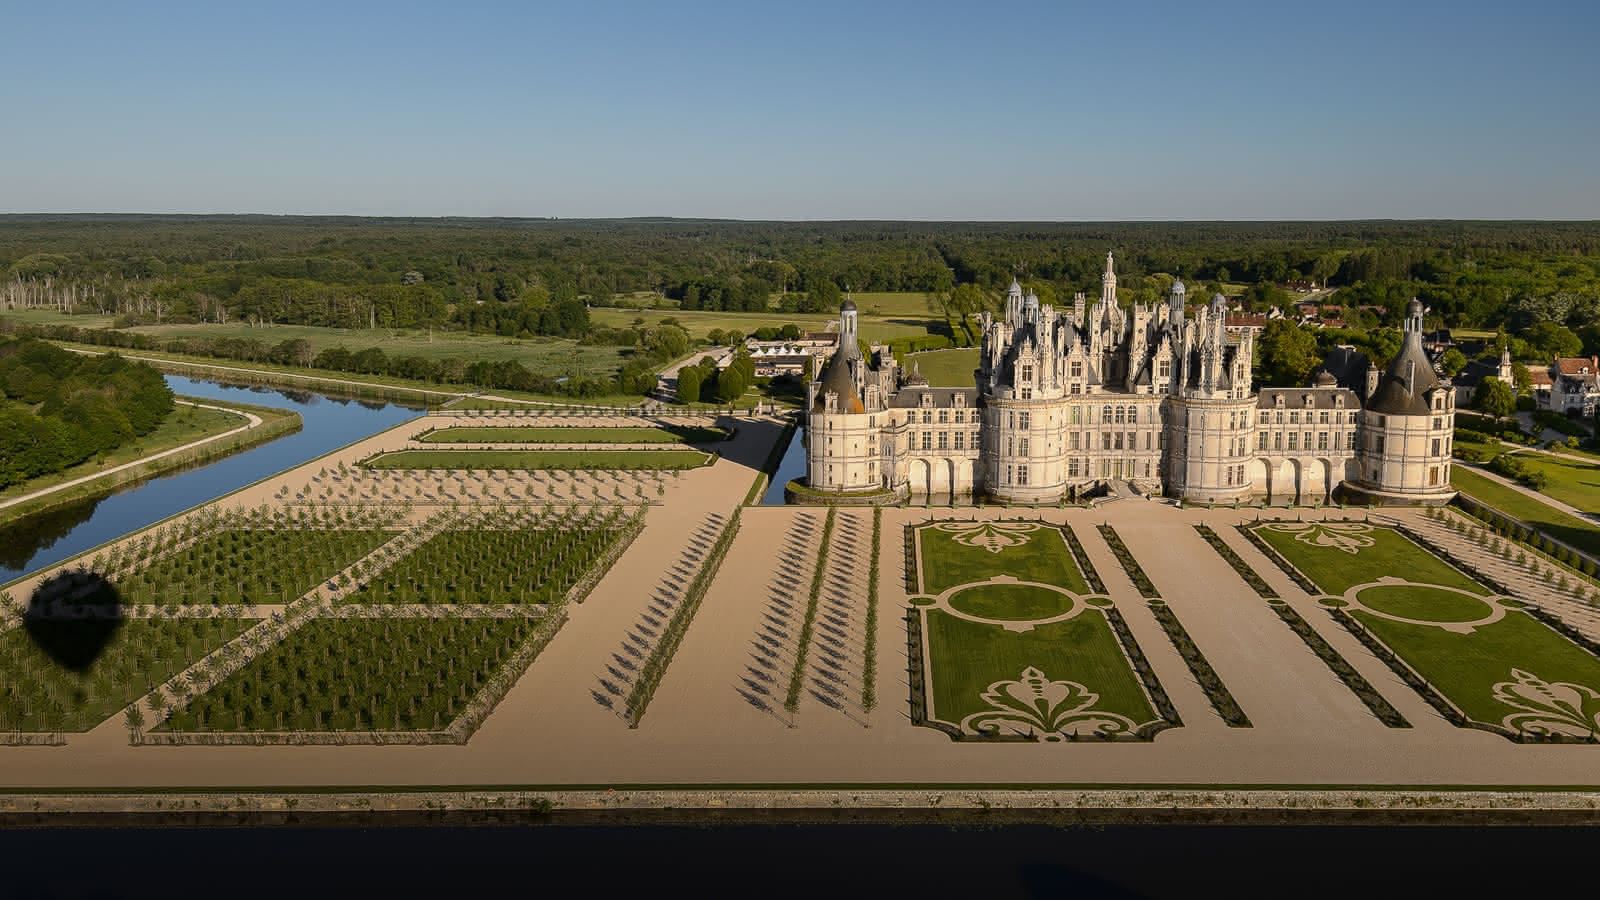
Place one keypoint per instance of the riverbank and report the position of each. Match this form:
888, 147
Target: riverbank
261, 424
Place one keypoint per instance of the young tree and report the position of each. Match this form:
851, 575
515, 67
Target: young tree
1452, 362
1495, 398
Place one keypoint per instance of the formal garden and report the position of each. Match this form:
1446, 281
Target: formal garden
575, 434
556, 460
1007, 640
1479, 656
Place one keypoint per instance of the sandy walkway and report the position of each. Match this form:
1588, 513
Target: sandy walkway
703, 726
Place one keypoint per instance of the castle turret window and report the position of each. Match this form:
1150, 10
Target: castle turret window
1024, 420
1435, 448
960, 439
1322, 440
1293, 438
1022, 447
927, 440
1261, 440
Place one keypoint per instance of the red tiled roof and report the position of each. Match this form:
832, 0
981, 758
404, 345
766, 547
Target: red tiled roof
1243, 321
1539, 376
1576, 365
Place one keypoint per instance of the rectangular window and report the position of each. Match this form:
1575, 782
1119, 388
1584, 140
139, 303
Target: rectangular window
1261, 440
927, 417
1352, 418
1294, 417
1378, 444
961, 416
1105, 440
1435, 447
1077, 369
1072, 467
1132, 444
1306, 441
1077, 415
1322, 417
1118, 440
1293, 437
1350, 440
944, 417
1233, 420
1433, 475
1147, 440
1322, 440
1024, 420
1077, 388
1022, 447
961, 436
1165, 368
976, 440
1264, 418
1438, 423
944, 440
1022, 474
1027, 374
1277, 440
1027, 392
927, 440
1074, 440
1280, 417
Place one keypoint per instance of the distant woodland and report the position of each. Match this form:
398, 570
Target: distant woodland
1540, 281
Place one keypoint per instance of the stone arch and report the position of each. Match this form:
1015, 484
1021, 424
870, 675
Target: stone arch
1259, 476
918, 476
939, 475
1284, 479
1319, 480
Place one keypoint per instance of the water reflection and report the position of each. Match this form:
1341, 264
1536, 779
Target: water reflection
328, 422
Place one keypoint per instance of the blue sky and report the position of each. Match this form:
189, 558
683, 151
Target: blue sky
814, 110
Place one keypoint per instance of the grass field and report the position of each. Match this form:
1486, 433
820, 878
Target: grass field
1559, 525
1467, 667
51, 317
1574, 483
974, 666
944, 368
555, 434
183, 425
1389, 553
699, 323
1044, 559
561, 460
548, 355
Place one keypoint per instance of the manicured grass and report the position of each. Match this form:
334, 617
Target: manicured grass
249, 566
1466, 667
1044, 559
1016, 602
893, 303
564, 460
1410, 601
554, 434
1574, 483
1391, 553
360, 675
37, 693
1557, 524
944, 368
699, 323
966, 657
183, 425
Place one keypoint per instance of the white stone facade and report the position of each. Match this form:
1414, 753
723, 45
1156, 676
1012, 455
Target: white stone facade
1065, 401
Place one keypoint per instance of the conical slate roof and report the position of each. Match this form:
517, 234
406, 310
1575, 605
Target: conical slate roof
1403, 388
836, 378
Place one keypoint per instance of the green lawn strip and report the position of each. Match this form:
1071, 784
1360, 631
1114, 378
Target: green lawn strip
1334, 571
559, 460
360, 674
655, 665
1410, 601
869, 655
1557, 524
38, 693
947, 563
494, 565
1466, 667
945, 368
791, 701
1018, 602
249, 566
555, 434
966, 657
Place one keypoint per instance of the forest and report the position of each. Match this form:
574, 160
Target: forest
526, 277
61, 408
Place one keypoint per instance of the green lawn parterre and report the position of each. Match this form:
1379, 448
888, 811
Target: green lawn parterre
38, 693
1515, 674
360, 675
965, 660
559, 460
555, 434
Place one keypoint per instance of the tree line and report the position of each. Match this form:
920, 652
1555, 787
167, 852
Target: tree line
63, 408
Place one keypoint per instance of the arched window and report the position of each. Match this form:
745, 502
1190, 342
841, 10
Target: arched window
1105, 414
1121, 415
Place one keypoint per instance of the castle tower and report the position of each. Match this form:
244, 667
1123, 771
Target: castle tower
1404, 454
1108, 283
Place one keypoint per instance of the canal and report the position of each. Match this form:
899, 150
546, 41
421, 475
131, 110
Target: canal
328, 422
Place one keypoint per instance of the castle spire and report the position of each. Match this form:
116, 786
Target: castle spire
1108, 283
